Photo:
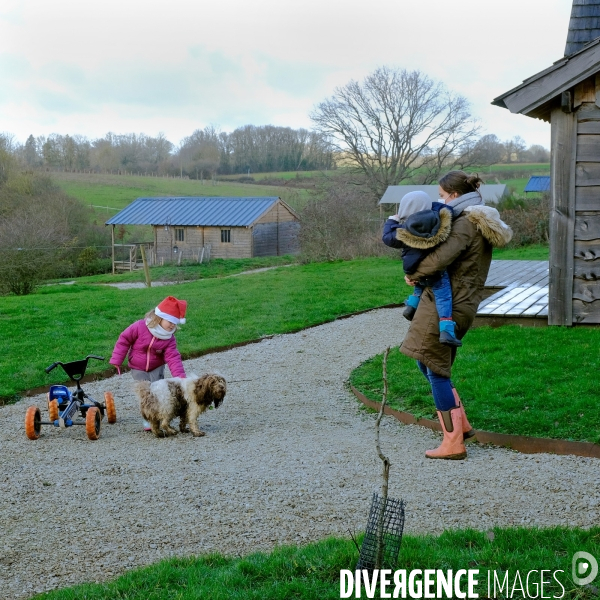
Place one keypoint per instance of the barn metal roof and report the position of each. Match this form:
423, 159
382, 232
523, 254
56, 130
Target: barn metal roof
538, 183
194, 211
394, 193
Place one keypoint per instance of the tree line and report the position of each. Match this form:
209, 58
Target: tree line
396, 126
204, 154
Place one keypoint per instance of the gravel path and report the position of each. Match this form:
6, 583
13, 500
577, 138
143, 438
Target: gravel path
288, 458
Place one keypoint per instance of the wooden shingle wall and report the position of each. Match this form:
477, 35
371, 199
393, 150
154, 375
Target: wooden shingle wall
575, 218
276, 233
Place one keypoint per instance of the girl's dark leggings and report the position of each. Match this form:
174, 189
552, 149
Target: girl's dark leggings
441, 386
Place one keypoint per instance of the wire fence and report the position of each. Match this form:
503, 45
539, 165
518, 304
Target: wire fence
383, 536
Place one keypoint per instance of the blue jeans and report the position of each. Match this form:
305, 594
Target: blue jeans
441, 386
442, 292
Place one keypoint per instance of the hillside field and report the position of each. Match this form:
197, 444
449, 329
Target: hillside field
115, 192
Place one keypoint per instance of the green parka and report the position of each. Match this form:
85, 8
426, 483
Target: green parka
466, 255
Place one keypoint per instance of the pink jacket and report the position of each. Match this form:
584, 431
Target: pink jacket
146, 352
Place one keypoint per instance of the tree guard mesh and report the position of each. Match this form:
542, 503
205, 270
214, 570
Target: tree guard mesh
383, 535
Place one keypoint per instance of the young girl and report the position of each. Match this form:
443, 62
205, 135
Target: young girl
150, 344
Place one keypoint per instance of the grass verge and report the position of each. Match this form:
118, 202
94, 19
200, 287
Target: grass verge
191, 271
313, 572
67, 322
533, 252
523, 381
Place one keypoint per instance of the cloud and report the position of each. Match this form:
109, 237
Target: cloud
90, 67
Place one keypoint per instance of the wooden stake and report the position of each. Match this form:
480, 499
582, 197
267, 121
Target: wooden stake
146, 269
386, 468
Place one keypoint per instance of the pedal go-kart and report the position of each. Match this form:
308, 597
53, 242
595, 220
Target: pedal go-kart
63, 405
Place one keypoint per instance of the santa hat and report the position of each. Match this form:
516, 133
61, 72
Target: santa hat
172, 310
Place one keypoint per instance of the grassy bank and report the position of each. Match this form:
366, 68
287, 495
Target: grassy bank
526, 381
313, 572
68, 322
117, 191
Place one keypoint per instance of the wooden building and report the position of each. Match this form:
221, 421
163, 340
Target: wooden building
567, 95
228, 227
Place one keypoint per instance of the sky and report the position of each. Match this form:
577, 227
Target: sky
90, 67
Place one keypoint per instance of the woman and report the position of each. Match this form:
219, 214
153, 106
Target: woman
466, 255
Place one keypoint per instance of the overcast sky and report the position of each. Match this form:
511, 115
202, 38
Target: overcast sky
89, 66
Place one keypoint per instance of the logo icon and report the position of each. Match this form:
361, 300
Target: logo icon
584, 568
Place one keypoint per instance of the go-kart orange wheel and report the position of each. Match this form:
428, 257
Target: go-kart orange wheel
53, 410
111, 411
93, 421
33, 423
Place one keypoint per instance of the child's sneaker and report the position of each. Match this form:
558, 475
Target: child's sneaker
147, 426
411, 307
447, 336
409, 313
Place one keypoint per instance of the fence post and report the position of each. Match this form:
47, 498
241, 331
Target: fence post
146, 269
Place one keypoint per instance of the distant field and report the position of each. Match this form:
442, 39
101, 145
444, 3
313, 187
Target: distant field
516, 186
111, 193
515, 175
544, 168
118, 191
285, 175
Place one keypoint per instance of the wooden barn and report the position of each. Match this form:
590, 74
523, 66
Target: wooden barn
567, 95
225, 227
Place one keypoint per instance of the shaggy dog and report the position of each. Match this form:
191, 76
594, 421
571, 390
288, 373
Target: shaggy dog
186, 398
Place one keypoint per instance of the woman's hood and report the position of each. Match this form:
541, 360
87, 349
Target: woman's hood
488, 222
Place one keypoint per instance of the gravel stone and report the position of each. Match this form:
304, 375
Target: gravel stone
289, 458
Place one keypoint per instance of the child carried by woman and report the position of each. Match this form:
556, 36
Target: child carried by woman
419, 227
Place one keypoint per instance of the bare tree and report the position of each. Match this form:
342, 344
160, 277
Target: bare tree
513, 149
488, 150
536, 154
340, 222
397, 125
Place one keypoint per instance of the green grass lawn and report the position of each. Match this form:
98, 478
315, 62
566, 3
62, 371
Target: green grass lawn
67, 322
533, 252
191, 271
313, 572
525, 381
118, 191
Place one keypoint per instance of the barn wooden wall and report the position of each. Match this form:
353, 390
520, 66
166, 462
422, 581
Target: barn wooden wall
275, 233
575, 216
195, 237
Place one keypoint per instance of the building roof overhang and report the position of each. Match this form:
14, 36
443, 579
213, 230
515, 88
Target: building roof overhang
538, 94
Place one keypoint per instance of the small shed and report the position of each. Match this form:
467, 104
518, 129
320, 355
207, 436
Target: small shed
228, 227
567, 95
538, 183
491, 194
